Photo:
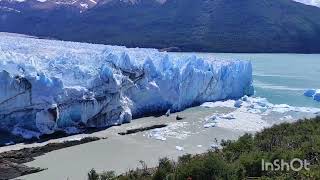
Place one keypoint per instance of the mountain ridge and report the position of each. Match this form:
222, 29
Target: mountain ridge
215, 26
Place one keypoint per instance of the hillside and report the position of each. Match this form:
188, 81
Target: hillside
204, 25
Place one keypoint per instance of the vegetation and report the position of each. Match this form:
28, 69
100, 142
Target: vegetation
242, 159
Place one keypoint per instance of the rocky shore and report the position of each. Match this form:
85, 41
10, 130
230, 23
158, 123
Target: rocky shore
12, 162
141, 129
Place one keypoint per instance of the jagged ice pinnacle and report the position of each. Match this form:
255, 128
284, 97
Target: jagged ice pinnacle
47, 85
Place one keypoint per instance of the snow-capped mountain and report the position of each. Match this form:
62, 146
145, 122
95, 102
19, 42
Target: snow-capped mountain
82, 5
310, 2
21, 5
190, 25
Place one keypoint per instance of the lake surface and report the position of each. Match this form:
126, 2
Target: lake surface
281, 78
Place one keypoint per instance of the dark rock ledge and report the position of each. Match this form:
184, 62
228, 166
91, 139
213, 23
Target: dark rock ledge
12, 162
133, 131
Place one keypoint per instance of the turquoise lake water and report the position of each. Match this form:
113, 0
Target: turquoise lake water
281, 78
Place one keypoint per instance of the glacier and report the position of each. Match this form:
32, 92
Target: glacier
49, 85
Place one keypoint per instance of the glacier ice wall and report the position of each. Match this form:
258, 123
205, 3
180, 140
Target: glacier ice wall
47, 85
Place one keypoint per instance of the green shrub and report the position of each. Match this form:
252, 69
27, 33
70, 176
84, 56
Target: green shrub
241, 159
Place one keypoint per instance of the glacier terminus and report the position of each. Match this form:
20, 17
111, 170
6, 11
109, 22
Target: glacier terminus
48, 85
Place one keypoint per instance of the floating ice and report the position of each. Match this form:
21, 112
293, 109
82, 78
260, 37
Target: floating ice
159, 137
211, 118
310, 92
242, 121
51, 85
215, 146
173, 130
286, 118
179, 148
316, 96
227, 116
227, 104
72, 139
314, 93
238, 104
208, 125
249, 116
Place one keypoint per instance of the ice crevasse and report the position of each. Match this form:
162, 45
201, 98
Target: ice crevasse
47, 86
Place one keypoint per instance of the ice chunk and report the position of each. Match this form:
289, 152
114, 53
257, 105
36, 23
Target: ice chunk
310, 92
286, 118
211, 118
168, 113
209, 125
215, 146
227, 104
159, 137
179, 148
227, 116
238, 104
243, 121
173, 130
53, 85
282, 108
315, 93
316, 96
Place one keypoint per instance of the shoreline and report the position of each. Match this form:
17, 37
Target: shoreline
149, 138
12, 162
147, 145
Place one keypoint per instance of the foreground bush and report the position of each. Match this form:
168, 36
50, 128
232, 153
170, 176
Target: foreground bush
241, 159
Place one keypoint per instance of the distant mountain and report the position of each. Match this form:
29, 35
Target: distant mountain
188, 25
81, 5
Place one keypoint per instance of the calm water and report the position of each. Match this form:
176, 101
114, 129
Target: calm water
281, 78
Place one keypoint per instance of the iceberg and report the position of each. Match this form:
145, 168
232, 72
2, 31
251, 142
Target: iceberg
179, 148
316, 96
310, 92
48, 85
314, 93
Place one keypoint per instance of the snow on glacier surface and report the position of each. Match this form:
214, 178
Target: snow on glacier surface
48, 85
